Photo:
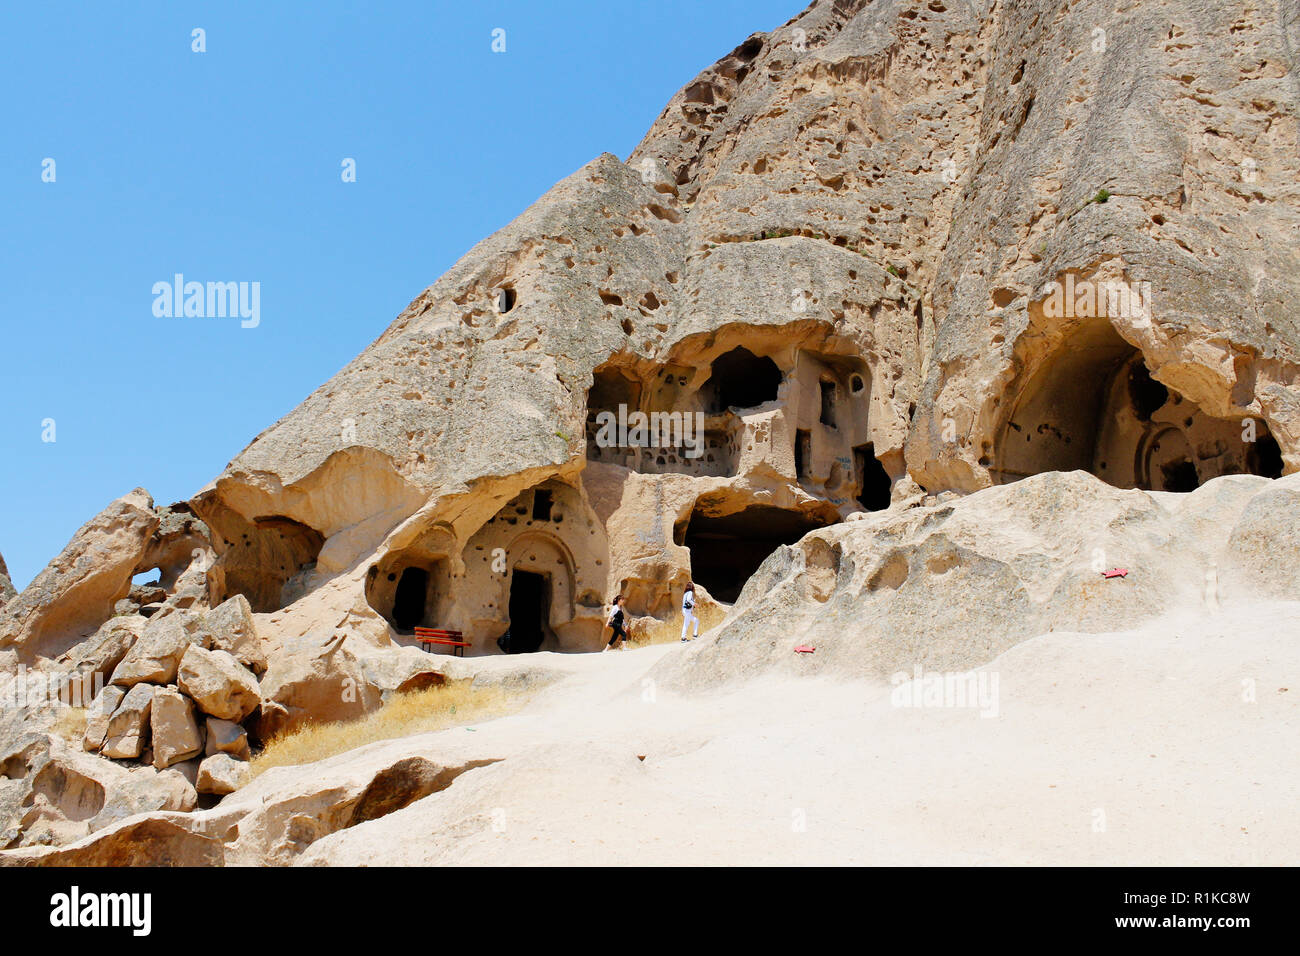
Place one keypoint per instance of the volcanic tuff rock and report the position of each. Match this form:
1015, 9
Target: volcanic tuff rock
6, 586
876, 262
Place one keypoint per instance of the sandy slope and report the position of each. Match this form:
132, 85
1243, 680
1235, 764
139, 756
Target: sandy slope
1148, 728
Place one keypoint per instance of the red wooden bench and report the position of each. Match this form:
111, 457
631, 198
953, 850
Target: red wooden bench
428, 636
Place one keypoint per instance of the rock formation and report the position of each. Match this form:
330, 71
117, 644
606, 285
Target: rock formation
889, 255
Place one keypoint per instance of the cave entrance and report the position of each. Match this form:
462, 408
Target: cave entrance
1094, 406
409, 599
529, 611
874, 484
726, 550
741, 379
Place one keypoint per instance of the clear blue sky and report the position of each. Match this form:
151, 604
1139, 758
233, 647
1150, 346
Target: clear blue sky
225, 166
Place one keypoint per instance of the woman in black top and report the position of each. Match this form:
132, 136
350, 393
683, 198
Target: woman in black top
617, 621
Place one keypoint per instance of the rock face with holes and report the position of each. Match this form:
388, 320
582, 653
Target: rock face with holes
888, 246
949, 586
887, 255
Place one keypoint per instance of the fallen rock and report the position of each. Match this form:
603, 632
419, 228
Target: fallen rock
219, 684
99, 714
163, 840
94, 661
76, 592
175, 734
230, 627
221, 774
227, 737
125, 737
156, 656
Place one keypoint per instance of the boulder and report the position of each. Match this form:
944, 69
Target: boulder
162, 840
77, 591
99, 715
175, 734
156, 656
125, 737
94, 661
221, 774
327, 682
227, 737
230, 627
219, 684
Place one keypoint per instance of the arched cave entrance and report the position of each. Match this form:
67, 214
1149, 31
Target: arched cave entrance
741, 379
1094, 406
726, 550
530, 610
410, 589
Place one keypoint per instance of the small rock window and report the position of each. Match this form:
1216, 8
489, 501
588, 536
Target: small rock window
505, 300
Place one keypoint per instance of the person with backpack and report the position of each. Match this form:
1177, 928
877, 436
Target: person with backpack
618, 621
688, 611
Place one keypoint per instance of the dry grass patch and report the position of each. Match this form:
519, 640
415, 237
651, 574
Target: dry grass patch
71, 724
414, 712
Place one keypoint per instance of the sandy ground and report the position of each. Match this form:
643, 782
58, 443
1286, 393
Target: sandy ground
1173, 744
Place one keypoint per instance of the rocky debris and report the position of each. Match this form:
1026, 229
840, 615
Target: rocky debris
218, 683
99, 715
128, 727
230, 627
76, 593
91, 664
221, 774
224, 736
162, 840
174, 733
156, 656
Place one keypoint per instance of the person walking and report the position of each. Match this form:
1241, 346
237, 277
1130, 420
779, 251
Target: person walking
618, 621
688, 612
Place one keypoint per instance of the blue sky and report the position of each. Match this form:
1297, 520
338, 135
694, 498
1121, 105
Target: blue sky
225, 165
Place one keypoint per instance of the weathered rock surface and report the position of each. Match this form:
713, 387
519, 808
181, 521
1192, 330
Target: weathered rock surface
230, 627
128, 727
7, 591
949, 586
224, 736
156, 656
175, 734
219, 684
221, 774
76, 592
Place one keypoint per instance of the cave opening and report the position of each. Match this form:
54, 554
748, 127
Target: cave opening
266, 560
410, 598
1093, 405
529, 611
741, 379
875, 487
726, 550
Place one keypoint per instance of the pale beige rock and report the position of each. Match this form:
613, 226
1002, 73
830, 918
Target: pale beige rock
76, 592
221, 774
218, 683
126, 735
156, 656
230, 627
174, 732
99, 715
94, 661
224, 736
